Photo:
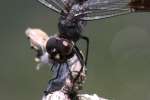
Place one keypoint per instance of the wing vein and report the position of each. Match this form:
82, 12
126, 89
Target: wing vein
50, 6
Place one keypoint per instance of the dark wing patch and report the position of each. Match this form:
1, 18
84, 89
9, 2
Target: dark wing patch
140, 5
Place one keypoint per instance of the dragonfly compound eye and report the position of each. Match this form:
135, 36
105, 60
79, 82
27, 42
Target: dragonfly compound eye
59, 48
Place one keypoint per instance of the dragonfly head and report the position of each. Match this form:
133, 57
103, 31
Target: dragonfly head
59, 48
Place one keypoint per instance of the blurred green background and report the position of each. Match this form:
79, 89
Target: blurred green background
119, 60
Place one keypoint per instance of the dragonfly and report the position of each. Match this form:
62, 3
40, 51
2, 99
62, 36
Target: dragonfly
74, 14
73, 17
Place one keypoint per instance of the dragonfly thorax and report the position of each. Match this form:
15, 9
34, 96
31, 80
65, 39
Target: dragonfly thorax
70, 29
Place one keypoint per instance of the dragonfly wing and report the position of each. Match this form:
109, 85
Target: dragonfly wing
104, 16
100, 9
60, 4
55, 5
